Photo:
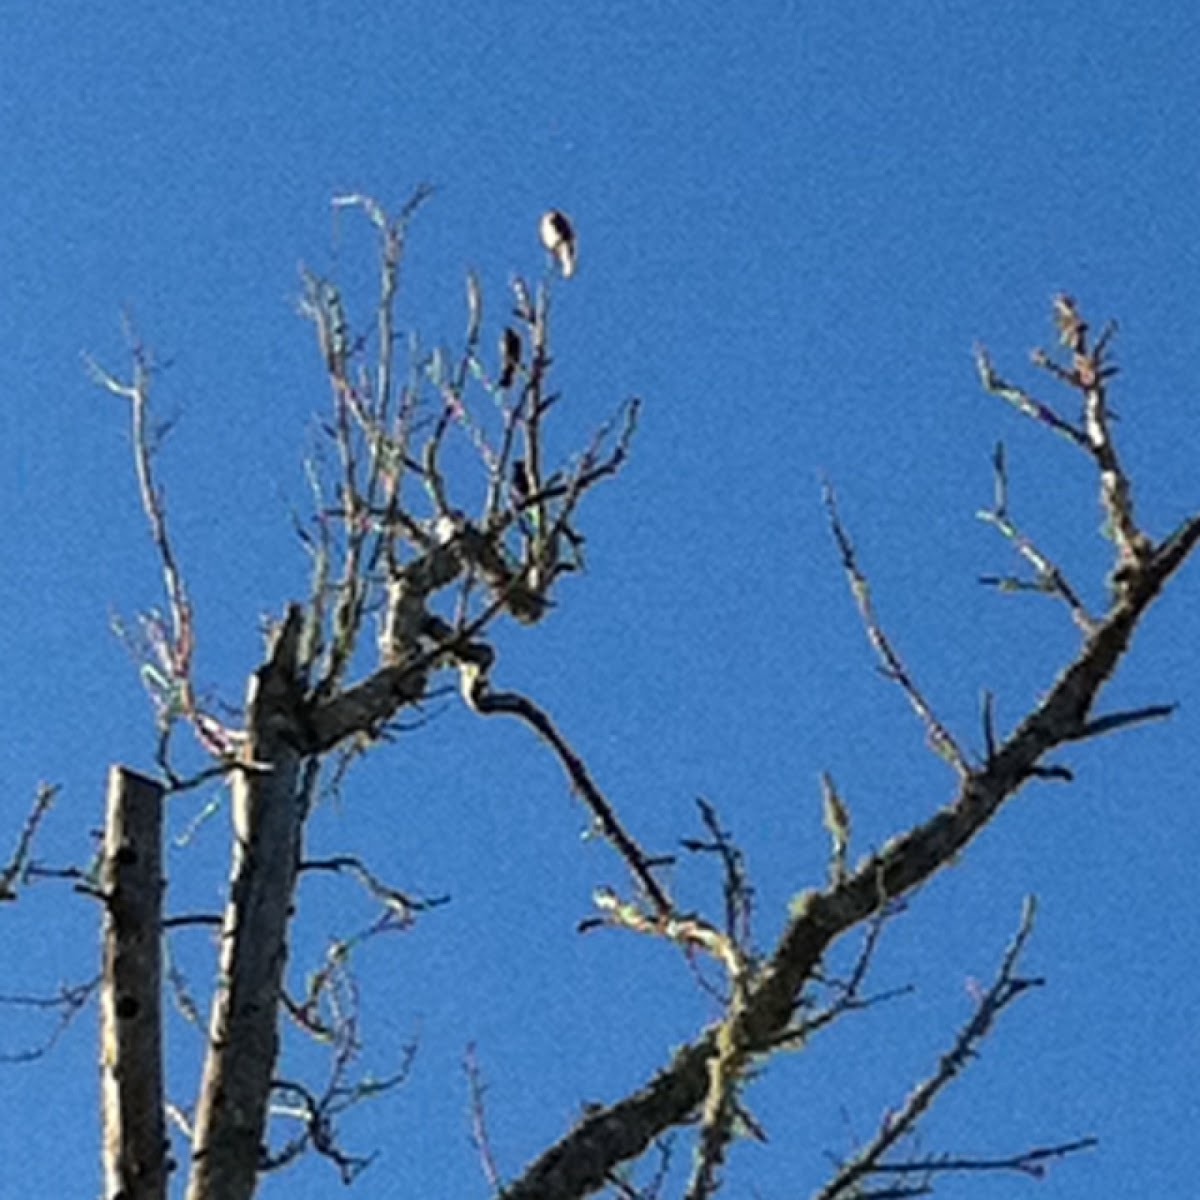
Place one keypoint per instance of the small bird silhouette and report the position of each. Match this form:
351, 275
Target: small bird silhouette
521, 485
559, 239
510, 355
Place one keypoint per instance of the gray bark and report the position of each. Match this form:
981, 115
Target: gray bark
269, 806
131, 1080
581, 1162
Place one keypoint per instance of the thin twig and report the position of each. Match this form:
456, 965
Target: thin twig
400, 904
178, 650
939, 737
737, 892
1027, 1162
477, 1093
900, 1122
1089, 373
14, 869
1023, 401
849, 992
1048, 576
1122, 720
69, 1002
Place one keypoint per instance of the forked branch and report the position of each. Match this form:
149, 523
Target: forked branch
581, 1161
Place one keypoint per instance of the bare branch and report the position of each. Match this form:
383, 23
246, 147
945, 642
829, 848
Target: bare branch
167, 669
1090, 375
939, 737
1026, 1162
900, 1122
477, 1095
848, 992
479, 696
318, 1112
1122, 720
582, 1159
988, 715
1023, 401
399, 904
69, 1003
1048, 577
737, 892
15, 868
317, 1131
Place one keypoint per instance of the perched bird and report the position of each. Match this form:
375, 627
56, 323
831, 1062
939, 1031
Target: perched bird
559, 239
510, 355
521, 486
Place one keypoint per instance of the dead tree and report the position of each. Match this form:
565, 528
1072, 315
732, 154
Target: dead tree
406, 583
766, 1007
408, 580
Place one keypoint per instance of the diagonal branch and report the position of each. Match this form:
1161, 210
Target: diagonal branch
898, 1124
1048, 576
579, 1162
939, 736
483, 700
13, 871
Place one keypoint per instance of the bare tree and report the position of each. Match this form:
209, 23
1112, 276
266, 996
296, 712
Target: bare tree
412, 567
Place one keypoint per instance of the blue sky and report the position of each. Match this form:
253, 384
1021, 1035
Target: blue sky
794, 220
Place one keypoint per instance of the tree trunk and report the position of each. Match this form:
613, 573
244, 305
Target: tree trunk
269, 806
134, 1137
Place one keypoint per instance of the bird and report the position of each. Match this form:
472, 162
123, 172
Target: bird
521, 484
510, 355
559, 239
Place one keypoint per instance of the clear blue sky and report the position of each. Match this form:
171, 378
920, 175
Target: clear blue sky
794, 221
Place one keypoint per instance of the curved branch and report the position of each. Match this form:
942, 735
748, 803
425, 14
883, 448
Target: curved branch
488, 703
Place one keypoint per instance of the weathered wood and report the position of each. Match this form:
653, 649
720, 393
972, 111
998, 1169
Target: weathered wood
269, 806
131, 1077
